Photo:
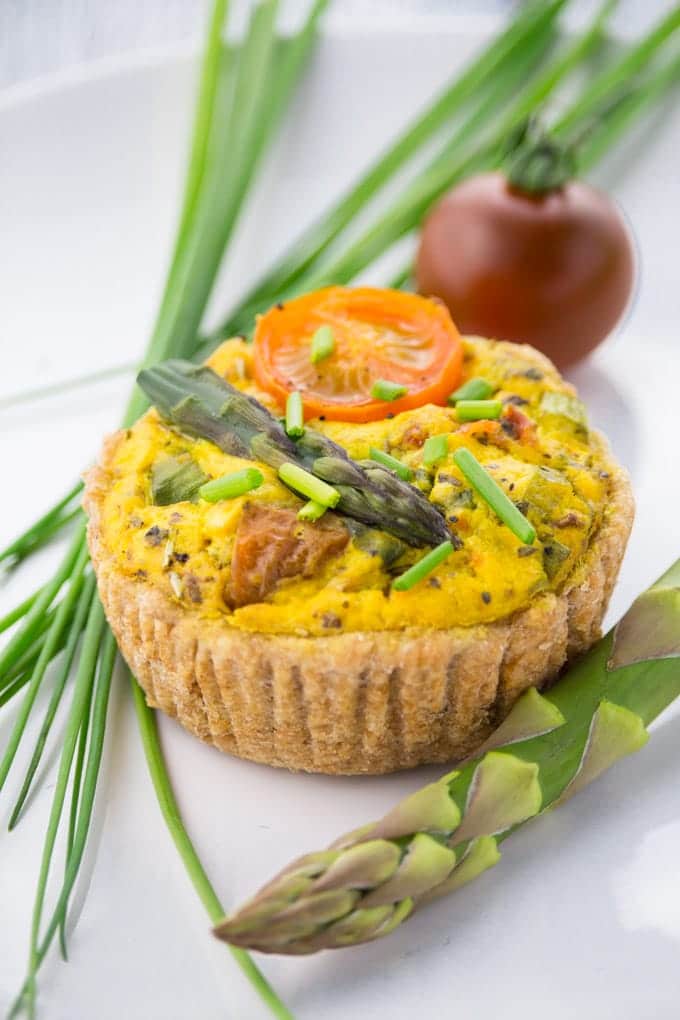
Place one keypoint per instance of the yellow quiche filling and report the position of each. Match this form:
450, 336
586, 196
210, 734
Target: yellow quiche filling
540, 452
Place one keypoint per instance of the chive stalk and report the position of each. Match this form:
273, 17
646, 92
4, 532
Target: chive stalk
436, 448
198, 877
323, 344
385, 389
94, 633
423, 567
59, 685
492, 494
609, 81
478, 410
308, 485
398, 466
295, 415
58, 512
231, 486
473, 389
312, 511
16, 614
619, 119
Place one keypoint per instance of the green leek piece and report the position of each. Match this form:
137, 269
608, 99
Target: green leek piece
231, 486
175, 481
566, 406
556, 743
435, 448
377, 543
554, 555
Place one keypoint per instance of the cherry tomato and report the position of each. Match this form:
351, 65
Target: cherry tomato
553, 269
379, 336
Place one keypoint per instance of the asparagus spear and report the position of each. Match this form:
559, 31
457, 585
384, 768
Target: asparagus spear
436, 840
194, 399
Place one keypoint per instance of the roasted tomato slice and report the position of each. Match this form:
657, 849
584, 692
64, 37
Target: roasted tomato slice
378, 336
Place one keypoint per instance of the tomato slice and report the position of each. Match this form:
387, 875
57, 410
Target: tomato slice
378, 335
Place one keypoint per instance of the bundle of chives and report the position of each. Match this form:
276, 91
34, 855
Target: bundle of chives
458, 159
495, 58
235, 108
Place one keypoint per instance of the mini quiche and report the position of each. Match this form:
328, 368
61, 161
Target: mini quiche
350, 546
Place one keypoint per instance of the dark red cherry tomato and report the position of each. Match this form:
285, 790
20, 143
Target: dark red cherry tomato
553, 269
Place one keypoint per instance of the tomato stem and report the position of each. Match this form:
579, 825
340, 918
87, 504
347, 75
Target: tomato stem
536, 162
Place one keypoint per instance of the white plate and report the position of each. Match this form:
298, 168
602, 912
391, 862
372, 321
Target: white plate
582, 917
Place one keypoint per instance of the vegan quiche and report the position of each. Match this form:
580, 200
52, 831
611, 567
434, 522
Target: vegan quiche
349, 546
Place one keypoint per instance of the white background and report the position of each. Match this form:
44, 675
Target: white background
582, 916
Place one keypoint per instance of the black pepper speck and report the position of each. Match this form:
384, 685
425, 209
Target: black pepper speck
155, 535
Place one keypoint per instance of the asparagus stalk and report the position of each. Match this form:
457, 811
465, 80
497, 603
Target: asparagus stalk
548, 748
195, 400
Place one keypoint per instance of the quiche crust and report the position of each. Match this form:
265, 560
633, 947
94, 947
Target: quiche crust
356, 702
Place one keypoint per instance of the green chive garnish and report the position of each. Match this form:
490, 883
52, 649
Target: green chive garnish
383, 389
399, 468
478, 410
295, 416
423, 567
492, 494
311, 511
307, 485
323, 344
473, 389
436, 448
230, 486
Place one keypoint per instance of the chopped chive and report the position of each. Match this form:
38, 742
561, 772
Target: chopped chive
384, 389
423, 567
473, 389
478, 410
232, 485
307, 485
323, 344
312, 511
399, 468
436, 448
295, 415
492, 494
